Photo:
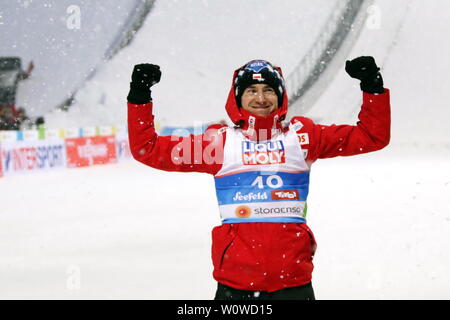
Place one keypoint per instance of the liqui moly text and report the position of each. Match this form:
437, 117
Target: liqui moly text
269, 152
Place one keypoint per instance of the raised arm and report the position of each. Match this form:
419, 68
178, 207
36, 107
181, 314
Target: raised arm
372, 131
199, 153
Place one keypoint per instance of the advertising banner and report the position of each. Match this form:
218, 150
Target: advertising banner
25, 156
123, 146
87, 151
26, 151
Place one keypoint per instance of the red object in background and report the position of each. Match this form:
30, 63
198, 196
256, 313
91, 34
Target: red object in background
87, 151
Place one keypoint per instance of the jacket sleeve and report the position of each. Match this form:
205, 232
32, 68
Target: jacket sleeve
193, 153
371, 132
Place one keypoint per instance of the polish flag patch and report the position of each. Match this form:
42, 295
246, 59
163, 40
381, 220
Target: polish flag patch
258, 76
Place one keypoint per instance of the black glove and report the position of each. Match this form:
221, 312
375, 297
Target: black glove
365, 69
143, 77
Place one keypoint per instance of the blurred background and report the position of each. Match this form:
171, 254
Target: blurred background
382, 220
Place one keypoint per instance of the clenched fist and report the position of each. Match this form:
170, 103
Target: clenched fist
143, 77
366, 70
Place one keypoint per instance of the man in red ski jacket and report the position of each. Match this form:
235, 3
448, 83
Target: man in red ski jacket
263, 249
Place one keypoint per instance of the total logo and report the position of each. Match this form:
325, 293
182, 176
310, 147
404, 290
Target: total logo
270, 152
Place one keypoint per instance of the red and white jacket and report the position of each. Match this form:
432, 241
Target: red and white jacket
264, 243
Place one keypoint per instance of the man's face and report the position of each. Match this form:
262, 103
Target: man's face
259, 99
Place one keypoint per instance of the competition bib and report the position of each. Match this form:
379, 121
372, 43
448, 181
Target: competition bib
264, 181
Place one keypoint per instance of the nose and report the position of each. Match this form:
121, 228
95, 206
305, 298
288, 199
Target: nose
260, 97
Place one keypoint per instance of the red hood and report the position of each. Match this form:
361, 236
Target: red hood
256, 127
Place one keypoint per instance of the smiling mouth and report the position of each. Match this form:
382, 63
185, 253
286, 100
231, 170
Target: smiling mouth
260, 107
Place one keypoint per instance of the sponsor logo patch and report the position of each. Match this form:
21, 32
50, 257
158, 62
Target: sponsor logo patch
257, 66
243, 212
285, 195
297, 126
251, 196
258, 76
270, 152
278, 211
303, 138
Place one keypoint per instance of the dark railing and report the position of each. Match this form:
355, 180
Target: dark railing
317, 59
132, 25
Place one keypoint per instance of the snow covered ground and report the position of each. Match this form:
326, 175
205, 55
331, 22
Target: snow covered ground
382, 220
131, 232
